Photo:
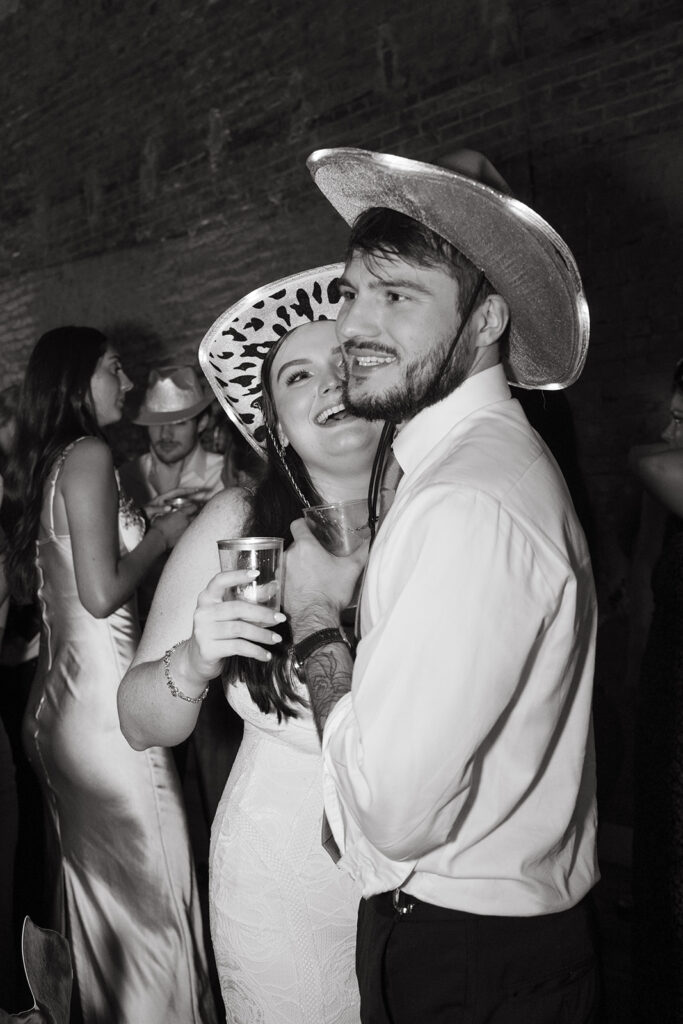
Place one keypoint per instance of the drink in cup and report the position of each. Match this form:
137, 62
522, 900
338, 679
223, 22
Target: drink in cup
182, 504
262, 553
342, 527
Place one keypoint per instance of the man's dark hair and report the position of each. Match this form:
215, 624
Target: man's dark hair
380, 233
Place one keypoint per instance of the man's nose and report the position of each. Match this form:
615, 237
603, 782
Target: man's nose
357, 320
126, 382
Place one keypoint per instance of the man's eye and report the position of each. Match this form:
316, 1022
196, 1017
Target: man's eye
395, 297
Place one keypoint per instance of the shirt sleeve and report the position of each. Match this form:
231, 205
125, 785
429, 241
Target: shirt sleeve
458, 604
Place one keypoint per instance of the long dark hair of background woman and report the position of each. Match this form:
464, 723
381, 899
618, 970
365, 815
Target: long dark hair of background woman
54, 410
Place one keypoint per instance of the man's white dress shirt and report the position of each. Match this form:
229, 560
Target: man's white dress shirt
200, 469
461, 765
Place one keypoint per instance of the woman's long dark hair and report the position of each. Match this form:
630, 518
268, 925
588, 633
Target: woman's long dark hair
275, 504
54, 410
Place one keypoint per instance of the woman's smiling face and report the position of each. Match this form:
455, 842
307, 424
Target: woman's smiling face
305, 383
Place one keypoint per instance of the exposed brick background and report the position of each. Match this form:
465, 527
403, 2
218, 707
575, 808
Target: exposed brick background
153, 170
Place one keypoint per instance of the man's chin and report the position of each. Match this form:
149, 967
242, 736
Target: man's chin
168, 458
361, 400
372, 404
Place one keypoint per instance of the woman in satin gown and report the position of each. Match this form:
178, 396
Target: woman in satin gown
125, 892
283, 915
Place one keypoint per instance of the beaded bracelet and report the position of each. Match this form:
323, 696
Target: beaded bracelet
172, 686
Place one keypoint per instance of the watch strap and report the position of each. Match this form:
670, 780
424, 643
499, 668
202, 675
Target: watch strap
314, 641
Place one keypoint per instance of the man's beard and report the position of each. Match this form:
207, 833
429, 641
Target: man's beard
425, 381
172, 457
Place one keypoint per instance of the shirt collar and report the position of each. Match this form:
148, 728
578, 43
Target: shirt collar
421, 434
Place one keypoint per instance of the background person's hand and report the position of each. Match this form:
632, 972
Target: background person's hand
160, 505
172, 526
317, 584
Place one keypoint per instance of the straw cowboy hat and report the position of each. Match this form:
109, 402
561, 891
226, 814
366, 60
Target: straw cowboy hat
522, 256
232, 351
174, 394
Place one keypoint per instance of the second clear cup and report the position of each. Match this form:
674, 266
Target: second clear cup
262, 553
342, 527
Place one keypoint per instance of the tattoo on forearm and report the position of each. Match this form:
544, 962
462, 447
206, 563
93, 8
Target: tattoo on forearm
328, 677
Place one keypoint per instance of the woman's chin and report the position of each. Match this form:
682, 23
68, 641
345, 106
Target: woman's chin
355, 436
346, 447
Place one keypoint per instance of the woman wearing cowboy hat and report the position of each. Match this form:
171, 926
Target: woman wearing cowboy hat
282, 916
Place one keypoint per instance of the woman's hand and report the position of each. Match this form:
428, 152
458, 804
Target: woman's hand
222, 629
171, 526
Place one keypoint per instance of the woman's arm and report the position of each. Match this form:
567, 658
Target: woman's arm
87, 487
660, 469
211, 630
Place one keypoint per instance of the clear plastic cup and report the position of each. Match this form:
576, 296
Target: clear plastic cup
262, 553
342, 527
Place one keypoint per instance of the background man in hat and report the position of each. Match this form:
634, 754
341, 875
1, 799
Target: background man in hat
174, 412
458, 754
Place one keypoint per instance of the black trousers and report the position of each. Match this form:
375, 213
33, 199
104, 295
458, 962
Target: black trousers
450, 967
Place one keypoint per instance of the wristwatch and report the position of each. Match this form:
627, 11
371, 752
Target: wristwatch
321, 638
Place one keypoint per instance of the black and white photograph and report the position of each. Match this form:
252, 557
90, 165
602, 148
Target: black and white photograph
341, 512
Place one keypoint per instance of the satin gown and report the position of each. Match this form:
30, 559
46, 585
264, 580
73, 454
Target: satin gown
283, 917
126, 895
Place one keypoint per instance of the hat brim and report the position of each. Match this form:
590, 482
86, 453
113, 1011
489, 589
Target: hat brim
147, 418
232, 351
523, 257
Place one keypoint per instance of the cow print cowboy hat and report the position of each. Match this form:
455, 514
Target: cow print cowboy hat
232, 351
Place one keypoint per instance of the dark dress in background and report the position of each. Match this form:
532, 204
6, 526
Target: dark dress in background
658, 800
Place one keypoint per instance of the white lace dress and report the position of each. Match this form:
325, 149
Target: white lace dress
283, 917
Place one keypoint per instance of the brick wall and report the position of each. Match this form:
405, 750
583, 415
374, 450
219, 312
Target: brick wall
153, 169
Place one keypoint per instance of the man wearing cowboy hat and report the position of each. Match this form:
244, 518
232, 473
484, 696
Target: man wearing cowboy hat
174, 412
458, 752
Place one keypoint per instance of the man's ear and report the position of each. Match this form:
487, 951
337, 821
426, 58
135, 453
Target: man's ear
491, 318
202, 422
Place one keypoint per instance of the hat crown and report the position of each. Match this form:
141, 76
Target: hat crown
172, 389
523, 257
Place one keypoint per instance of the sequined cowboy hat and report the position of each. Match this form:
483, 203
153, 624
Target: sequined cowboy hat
522, 256
174, 394
232, 351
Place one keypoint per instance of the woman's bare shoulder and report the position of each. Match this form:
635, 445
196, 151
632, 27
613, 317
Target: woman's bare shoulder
86, 454
89, 463
226, 514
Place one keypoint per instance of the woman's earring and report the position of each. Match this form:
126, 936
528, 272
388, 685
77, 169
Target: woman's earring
278, 438
283, 440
